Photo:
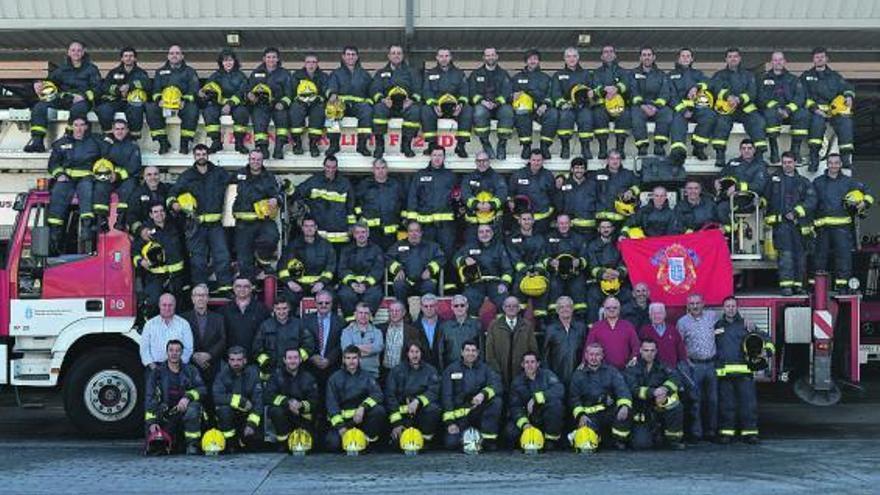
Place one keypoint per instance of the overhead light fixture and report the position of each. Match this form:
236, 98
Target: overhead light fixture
584, 39
233, 39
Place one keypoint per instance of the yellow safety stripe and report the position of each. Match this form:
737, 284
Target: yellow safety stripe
539, 397
210, 217
193, 394
236, 401
732, 370
254, 418
430, 217
577, 411
173, 268
328, 195
832, 221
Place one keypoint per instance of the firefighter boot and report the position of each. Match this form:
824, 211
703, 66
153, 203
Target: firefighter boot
487, 147
501, 149
379, 149
35, 145
459, 148
362, 144
164, 145
603, 147
585, 149
545, 150
406, 146
296, 145
429, 144
620, 141
659, 149
87, 235
796, 149
814, 159
845, 160
216, 143
314, 151
278, 152
184, 146
526, 151
239, 144
565, 148
720, 156
774, 150
334, 144
700, 152
642, 150
264, 150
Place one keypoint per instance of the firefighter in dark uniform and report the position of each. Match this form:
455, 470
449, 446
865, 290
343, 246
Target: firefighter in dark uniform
483, 192
599, 398
735, 91
651, 94
308, 264
654, 219
657, 404
379, 201
361, 272
573, 95
687, 84
781, 98
126, 88
610, 80
255, 209
354, 399
161, 263
276, 335
350, 84
695, 210
614, 183
576, 198
174, 393
76, 83
174, 73
238, 399
536, 398
309, 84
790, 200
70, 164
330, 198
206, 183
490, 91
531, 102
606, 264
232, 84
268, 92
412, 395
293, 398
526, 250
471, 395
566, 262
396, 91
414, 264
428, 201
484, 270
536, 184
446, 94
150, 191
834, 221
821, 86
125, 155
749, 173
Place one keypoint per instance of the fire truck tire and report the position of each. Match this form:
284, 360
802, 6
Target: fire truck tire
103, 393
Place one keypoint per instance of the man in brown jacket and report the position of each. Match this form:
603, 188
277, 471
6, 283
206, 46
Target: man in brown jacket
509, 337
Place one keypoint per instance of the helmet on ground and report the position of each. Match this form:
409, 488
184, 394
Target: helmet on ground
531, 440
447, 104
398, 95
469, 274
625, 207
153, 252
566, 268
585, 440
704, 99
615, 105
136, 97
299, 441
851, 201
172, 98
306, 91
471, 441
213, 92
523, 103
213, 442
263, 93
580, 95
102, 170
724, 107
839, 106
49, 91
534, 285
635, 233
485, 197
187, 202
411, 441
334, 110
611, 286
264, 209
354, 441
158, 442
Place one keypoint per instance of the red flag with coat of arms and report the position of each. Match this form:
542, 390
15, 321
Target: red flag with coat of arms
676, 266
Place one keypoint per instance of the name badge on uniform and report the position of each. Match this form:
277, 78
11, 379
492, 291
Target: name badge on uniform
67, 146
516, 240
719, 331
776, 178
260, 75
402, 249
385, 74
433, 77
641, 76
566, 187
118, 76
480, 79
425, 178
735, 163
144, 197
522, 81
563, 77
475, 251
601, 177
523, 182
553, 239
769, 82
457, 375
164, 72
242, 177
474, 183
675, 76
812, 78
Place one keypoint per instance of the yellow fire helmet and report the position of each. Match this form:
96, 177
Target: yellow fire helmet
610, 287
153, 252
300, 441
306, 91
447, 104
49, 91
485, 197
213, 92
704, 99
585, 440
723, 107
354, 441
398, 95
136, 97
727, 182
839, 106
172, 98
296, 268
580, 95
566, 268
411, 441
469, 274
624, 207
335, 110
635, 233
851, 201
264, 209
263, 93
531, 440
534, 285
213, 442
523, 104
615, 105
102, 170
187, 202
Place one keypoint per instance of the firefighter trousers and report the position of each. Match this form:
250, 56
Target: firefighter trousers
799, 121
789, 243
753, 123
648, 425
464, 122
231, 422
569, 117
843, 128
410, 115
549, 122
737, 406
134, 116
187, 425
705, 120
835, 242
373, 426
485, 418
608, 426
256, 243
260, 117
348, 299
101, 191
503, 114
548, 418
189, 119
574, 287
602, 122
62, 195
301, 112
443, 233
662, 122
212, 112
426, 419
209, 242
284, 421
40, 113
477, 291
404, 289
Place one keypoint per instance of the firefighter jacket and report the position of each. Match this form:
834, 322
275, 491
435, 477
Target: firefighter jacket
462, 382
476, 182
169, 238
789, 194
439, 81
565, 79
578, 201
330, 202
285, 386
241, 326
602, 254
234, 85
142, 197
278, 81
830, 192
251, 188
402, 76
136, 78
350, 84
535, 83
380, 203
84, 80
208, 188
413, 259
730, 356
429, 195
545, 388
74, 157
526, 251
610, 74
563, 350
650, 87
821, 86
681, 80
157, 394
735, 82
319, 77
317, 257
642, 381
609, 185
183, 77
750, 176
691, 218
405, 384
346, 392
781, 90
569, 243
654, 221
236, 389
493, 85
274, 338
591, 391
539, 187
362, 264
492, 259
126, 158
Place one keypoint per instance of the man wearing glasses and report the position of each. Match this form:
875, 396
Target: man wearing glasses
326, 328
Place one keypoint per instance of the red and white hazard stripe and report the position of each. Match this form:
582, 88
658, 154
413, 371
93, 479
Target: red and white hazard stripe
822, 327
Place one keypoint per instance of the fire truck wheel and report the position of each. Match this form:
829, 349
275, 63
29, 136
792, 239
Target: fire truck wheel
103, 393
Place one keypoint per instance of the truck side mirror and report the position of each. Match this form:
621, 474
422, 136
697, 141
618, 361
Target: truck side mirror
40, 242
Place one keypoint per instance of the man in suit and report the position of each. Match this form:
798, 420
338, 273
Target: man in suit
397, 334
428, 325
326, 328
209, 340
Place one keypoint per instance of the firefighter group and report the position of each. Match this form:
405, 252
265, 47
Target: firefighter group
609, 370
